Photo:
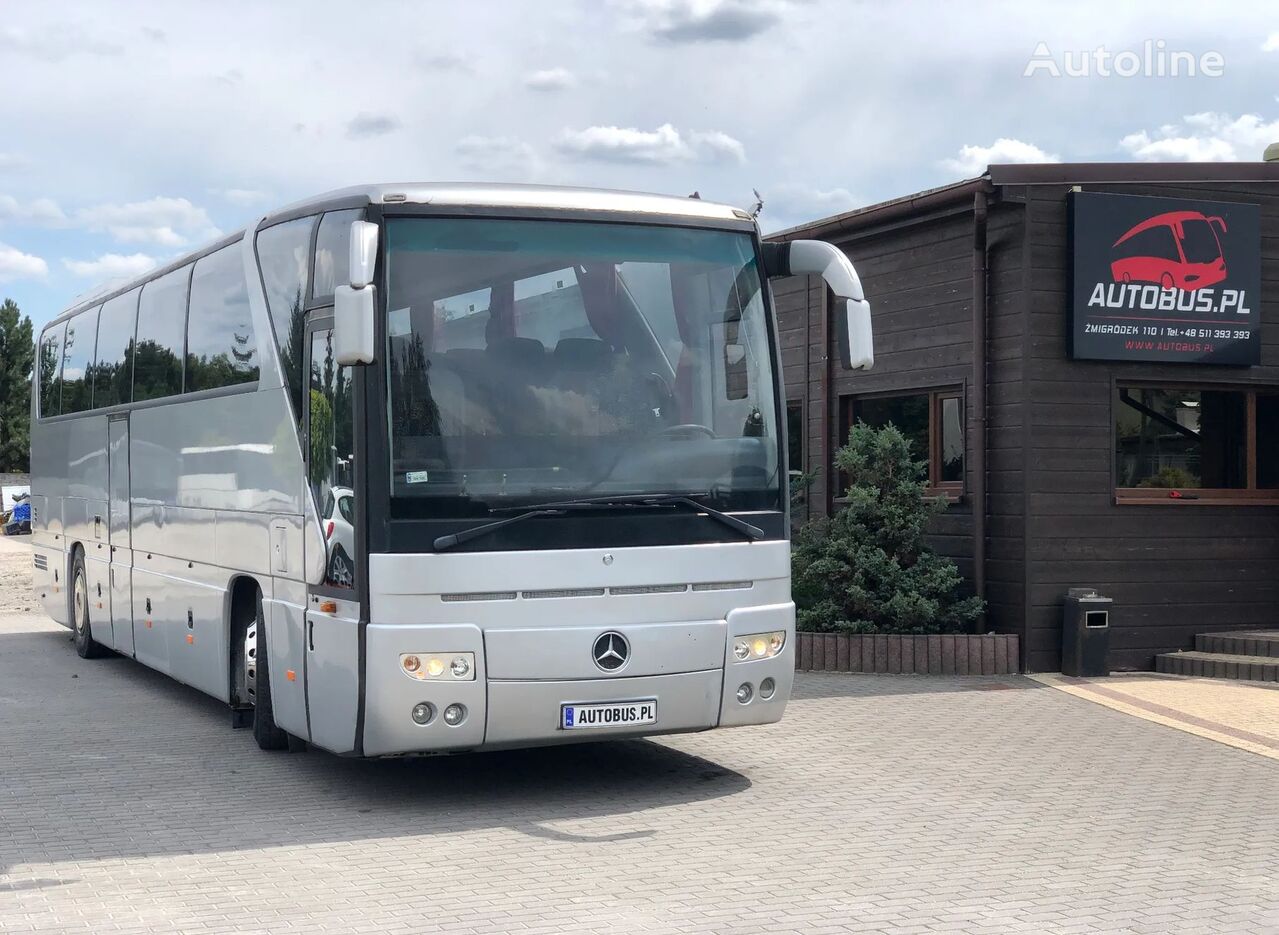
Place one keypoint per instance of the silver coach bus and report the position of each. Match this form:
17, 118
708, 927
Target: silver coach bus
413, 469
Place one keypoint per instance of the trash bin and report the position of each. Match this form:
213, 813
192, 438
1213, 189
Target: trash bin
1085, 633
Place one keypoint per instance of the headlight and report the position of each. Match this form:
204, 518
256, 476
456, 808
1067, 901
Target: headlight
438, 667
758, 645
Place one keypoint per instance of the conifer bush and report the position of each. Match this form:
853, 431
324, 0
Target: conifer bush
867, 569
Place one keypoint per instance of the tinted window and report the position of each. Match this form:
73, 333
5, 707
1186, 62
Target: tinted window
157, 364
113, 373
1181, 438
50, 371
331, 453
333, 251
282, 254
77, 362
951, 456
221, 346
908, 413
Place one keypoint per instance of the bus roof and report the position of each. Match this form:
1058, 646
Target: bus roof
446, 194
502, 195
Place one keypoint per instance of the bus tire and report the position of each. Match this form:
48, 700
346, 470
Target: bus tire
265, 731
82, 632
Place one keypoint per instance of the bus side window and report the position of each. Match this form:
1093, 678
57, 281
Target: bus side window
283, 257
333, 252
330, 455
221, 346
51, 371
157, 356
77, 362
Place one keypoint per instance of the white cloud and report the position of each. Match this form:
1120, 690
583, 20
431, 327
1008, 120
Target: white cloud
364, 125
13, 161
495, 153
14, 264
1204, 137
243, 197
663, 146
38, 211
55, 43
973, 160
111, 266
1272, 43
549, 79
680, 21
169, 222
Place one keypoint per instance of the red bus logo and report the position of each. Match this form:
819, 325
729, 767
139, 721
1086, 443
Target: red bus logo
1175, 250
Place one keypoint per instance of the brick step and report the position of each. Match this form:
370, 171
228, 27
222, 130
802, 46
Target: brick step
1240, 643
1219, 665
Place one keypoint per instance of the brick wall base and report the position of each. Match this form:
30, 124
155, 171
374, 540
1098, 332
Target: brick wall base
938, 654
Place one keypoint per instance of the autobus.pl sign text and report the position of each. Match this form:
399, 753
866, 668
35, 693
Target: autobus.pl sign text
1153, 60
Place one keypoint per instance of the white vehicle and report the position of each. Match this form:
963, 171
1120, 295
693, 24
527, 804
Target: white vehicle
337, 517
548, 421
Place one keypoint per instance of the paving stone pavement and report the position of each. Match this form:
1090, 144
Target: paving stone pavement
881, 804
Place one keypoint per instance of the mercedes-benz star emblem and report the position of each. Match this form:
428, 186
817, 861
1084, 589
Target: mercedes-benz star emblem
610, 651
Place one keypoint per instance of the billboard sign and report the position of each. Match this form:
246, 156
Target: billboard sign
1164, 280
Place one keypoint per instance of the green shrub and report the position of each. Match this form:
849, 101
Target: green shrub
867, 569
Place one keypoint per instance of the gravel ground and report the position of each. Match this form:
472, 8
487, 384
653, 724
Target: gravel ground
15, 575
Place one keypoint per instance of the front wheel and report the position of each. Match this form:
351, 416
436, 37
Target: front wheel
85, 644
265, 731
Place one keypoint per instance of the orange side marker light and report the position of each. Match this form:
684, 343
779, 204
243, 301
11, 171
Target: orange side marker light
328, 607
190, 638
290, 675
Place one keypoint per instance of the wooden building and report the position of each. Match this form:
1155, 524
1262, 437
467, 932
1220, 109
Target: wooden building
1093, 376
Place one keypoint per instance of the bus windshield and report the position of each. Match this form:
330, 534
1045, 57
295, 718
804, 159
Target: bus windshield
534, 359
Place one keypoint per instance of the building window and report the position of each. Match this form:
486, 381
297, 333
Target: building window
933, 423
795, 435
1219, 444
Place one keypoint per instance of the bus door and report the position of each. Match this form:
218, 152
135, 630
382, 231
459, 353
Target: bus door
118, 532
333, 607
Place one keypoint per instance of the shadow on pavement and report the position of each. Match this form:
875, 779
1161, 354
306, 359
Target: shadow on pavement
105, 759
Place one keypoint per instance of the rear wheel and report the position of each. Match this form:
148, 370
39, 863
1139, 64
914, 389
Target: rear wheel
85, 644
258, 682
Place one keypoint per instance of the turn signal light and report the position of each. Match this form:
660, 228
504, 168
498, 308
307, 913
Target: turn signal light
444, 667
758, 645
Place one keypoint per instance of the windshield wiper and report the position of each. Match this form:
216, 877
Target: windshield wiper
637, 501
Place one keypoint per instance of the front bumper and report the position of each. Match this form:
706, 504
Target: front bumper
526, 712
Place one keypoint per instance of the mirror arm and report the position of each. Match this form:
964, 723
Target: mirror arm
817, 257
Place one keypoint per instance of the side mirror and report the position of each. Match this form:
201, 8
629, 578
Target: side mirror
355, 305
852, 311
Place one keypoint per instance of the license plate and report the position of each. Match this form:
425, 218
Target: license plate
612, 714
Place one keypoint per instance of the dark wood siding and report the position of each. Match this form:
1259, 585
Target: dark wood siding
1173, 570
918, 279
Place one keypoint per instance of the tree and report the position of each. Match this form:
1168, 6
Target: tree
17, 355
867, 569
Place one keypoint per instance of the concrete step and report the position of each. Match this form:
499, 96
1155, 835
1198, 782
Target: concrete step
1240, 643
1219, 665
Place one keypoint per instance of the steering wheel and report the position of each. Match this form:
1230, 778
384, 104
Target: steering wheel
688, 428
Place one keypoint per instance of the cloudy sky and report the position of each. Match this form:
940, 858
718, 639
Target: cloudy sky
132, 132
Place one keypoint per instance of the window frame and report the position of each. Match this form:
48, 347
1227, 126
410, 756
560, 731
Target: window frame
1249, 495
952, 491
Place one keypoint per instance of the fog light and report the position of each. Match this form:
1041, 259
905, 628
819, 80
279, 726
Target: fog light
460, 667
411, 663
744, 694
422, 713
435, 666
741, 649
767, 688
454, 715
